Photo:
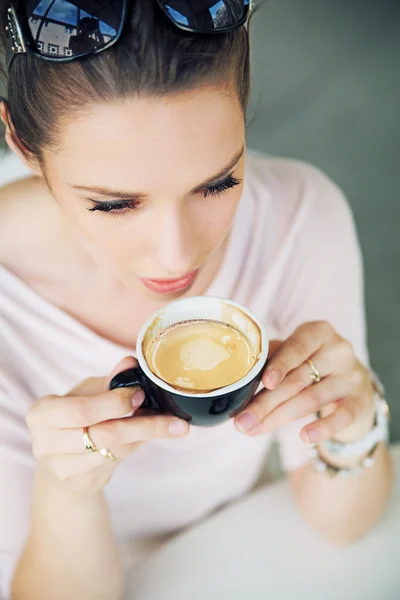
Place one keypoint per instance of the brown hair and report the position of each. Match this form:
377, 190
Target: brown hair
152, 57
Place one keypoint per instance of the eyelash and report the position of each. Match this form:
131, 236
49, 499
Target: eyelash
119, 208
219, 188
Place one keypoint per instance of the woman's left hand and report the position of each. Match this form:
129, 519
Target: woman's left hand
344, 395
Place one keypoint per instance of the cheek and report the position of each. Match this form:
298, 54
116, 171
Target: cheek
212, 217
103, 235
116, 237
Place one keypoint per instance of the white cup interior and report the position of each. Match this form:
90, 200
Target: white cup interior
205, 307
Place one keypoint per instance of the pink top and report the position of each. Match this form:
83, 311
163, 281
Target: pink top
293, 257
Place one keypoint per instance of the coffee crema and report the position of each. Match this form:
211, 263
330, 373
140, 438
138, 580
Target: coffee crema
200, 355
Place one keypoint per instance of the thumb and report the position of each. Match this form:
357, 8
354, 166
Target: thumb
99, 385
129, 362
266, 379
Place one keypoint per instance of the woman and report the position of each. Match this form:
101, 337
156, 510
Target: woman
142, 192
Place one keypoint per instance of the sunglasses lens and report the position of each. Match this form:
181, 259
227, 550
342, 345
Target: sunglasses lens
62, 28
206, 15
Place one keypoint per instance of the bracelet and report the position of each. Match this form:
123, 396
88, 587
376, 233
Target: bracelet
367, 445
321, 465
378, 433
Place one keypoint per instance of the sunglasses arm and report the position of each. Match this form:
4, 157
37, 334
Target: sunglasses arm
16, 44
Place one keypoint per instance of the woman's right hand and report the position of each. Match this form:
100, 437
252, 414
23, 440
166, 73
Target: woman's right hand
56, 425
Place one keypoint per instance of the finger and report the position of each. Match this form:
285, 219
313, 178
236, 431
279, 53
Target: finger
327, 360
295, 382
126, 363
89, 387
305, 342
121, 434
82, 411
97, 385
306, 403
116, 435
329, 427
70, 442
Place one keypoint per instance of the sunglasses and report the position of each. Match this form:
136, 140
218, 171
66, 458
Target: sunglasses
64, 30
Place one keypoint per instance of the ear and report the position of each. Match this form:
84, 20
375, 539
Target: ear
14, 143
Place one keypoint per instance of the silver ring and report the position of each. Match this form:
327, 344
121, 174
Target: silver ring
315, 375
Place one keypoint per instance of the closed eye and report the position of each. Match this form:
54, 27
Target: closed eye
219, 188
120, 207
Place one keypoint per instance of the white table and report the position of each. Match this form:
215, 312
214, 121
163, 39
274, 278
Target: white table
260, 548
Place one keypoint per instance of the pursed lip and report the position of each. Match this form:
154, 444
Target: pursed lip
168, 286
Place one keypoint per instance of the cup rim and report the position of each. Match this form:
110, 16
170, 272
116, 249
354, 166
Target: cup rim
237, 385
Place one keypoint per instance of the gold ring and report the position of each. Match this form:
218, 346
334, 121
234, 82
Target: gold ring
90, 446
315, 375
107, 454
87, 440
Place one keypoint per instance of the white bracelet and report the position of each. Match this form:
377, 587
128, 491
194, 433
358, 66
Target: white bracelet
362, 448
379, 433
323, 466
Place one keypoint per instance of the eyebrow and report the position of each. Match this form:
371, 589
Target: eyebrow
101, 191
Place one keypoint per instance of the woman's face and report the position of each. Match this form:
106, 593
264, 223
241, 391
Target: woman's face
150, 185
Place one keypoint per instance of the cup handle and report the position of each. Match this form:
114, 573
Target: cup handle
133, 378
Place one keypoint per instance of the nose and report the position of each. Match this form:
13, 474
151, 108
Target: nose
176, 243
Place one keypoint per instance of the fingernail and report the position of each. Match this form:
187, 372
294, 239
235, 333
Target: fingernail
137, 398
257, 429
311, 435
178, 427
274, 376
246, 421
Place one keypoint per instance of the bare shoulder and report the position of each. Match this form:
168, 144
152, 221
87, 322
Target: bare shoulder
27, 212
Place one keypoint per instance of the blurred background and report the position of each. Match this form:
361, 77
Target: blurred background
326, 89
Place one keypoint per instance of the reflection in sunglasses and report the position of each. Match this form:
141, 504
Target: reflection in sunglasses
205, 14
65, 28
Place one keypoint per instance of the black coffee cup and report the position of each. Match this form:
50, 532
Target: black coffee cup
201, 409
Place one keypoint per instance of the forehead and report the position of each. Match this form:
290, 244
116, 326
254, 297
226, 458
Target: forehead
146, 141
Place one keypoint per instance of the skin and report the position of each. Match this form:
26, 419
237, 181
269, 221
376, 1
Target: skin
89, 264
173, 230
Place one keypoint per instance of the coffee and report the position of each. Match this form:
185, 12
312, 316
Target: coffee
200, 355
